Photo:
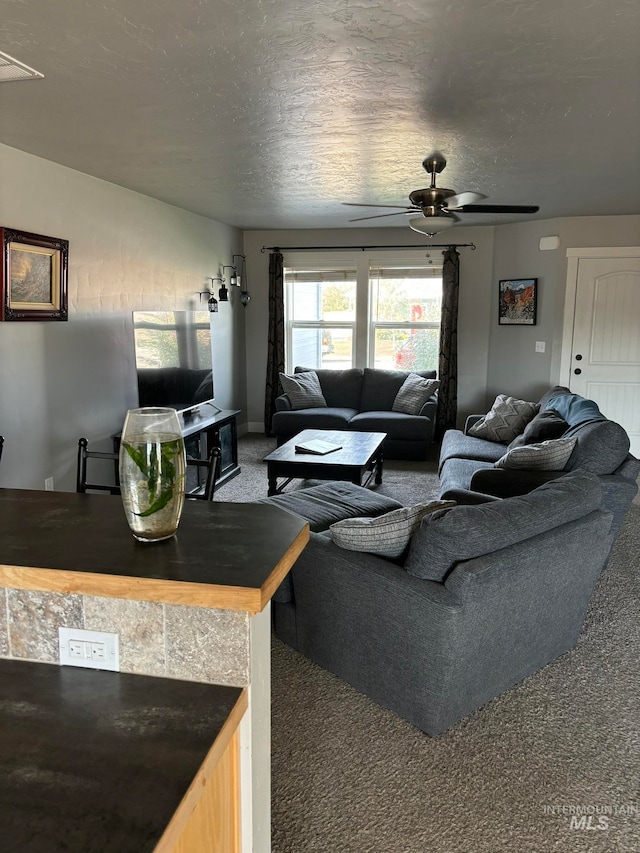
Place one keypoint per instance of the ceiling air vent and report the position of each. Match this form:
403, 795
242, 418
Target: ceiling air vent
11, 69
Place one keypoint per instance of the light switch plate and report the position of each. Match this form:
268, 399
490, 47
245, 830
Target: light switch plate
92, 649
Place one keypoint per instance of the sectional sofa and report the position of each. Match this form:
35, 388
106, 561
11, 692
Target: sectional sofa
482, 597
467, 465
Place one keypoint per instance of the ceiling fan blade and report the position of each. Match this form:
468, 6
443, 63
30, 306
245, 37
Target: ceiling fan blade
456, 201
380, 215
498, 208
358, 204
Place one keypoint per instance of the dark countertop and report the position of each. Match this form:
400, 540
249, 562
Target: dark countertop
228, 555
98, 762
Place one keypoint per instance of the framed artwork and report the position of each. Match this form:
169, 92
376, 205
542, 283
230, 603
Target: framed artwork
33, 276
517, 302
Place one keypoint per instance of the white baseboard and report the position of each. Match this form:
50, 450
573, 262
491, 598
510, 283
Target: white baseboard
255, 426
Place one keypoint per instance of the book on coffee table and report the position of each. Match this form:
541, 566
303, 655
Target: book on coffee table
317, 447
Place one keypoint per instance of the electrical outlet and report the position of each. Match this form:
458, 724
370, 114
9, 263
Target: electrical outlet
48, 484
540, 346
93, 649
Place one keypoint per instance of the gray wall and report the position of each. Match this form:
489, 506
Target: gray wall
514, 366
474, 312
492, 359
61, 380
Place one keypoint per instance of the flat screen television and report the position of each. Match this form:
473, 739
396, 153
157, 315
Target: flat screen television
174, 361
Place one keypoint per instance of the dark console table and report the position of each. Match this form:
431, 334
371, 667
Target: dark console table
219, 430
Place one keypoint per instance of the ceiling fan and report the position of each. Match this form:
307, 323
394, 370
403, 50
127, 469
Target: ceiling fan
437, 207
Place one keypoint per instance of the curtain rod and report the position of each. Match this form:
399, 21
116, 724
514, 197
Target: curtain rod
364, 248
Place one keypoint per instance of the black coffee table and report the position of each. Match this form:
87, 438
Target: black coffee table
360, 456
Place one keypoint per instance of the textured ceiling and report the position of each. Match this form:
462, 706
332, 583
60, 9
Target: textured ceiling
269, 113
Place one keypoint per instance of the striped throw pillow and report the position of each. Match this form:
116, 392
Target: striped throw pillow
413, 394
551, 455
303, 390
387, 535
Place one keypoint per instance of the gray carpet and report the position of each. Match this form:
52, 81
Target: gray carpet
351, 777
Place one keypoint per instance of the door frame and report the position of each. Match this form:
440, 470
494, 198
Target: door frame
573, 258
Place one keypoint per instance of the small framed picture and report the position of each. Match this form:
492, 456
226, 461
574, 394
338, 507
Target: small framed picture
517, 302
33, 276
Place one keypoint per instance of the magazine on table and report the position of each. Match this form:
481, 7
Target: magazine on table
317, 446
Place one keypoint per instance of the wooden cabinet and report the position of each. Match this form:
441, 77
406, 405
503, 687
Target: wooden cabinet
208, 818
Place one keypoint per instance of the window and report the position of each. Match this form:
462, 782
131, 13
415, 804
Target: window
320, 304
366, 311
406, 302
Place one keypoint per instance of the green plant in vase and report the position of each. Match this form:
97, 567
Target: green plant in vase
152, 474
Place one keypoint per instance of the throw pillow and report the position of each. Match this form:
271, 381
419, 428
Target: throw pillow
303, 390
546, 425
387, 535
550, 455
413, 394
507, 419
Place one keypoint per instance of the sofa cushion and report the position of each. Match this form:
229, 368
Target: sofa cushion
291, 422
414, 393
303, 390
464, 532
341, 388
396, 425
387, 535
545, 426
380, 387
327, 503
457, 445
322, 506
551, 455
458, 473
506, 419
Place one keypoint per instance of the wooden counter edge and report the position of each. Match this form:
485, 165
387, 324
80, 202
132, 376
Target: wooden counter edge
218, 596
174, 830
284, 566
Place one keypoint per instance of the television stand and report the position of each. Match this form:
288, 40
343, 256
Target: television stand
201, 410
219, 430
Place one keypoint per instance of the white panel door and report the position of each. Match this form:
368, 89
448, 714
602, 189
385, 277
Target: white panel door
605, 355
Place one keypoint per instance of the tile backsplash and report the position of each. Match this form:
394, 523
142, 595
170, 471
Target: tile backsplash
173, 641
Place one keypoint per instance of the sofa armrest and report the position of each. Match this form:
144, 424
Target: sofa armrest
510, 482
467, 497
470, 421
283, 404
430, 408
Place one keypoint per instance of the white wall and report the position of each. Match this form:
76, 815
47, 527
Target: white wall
61, 380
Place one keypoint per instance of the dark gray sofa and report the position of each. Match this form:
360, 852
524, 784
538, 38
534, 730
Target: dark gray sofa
487, 595
466, 465
362, 400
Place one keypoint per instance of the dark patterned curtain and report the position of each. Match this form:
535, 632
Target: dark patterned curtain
275, 350
448, 356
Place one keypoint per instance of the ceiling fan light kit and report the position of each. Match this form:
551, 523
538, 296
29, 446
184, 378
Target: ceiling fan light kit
429, 226
438, 206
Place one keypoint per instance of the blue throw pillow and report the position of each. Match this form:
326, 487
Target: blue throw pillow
575, 409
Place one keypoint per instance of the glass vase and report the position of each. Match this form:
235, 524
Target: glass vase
152, 472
